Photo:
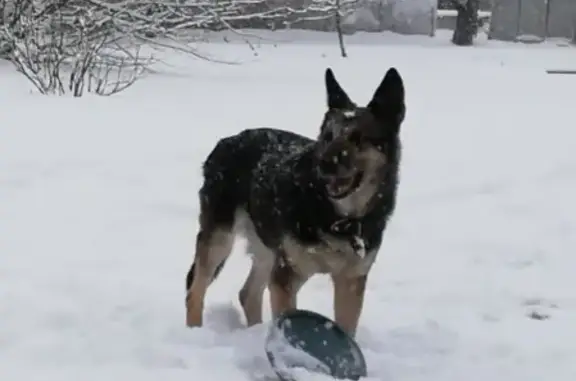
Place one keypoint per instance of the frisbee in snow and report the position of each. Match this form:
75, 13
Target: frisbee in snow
305, 339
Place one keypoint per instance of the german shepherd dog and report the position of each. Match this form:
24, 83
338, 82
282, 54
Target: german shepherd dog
305, 206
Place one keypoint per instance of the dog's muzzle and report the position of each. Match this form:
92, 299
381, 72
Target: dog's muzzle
341, 187
338, 171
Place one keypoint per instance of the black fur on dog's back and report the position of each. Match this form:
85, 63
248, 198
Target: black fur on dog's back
229, 169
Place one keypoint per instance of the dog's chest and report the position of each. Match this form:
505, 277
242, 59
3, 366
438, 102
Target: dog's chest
292, 214
329, 256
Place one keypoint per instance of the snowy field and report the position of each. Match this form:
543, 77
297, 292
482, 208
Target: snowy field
476, 277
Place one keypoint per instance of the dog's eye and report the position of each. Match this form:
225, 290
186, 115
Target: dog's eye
328, 136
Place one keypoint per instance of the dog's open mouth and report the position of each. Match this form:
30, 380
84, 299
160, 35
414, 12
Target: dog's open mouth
339, 188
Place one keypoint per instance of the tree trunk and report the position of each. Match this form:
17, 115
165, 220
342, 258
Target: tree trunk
466, 22
574, 28
338, 21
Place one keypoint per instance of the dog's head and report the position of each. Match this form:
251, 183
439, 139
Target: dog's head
357, 145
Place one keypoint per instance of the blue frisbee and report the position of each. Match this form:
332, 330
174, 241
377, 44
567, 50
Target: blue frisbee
308, 340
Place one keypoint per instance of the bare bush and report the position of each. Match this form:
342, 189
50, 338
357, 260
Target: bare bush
74, 46
149, 20
54, 68
65, 50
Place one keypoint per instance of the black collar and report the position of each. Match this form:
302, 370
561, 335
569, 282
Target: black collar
351, 229
347, 226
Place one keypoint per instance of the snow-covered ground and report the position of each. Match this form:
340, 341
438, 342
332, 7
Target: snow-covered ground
98, 212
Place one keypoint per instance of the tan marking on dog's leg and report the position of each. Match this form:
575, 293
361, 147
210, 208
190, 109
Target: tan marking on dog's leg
212, 249
348, 301
195, 297
281, 299
284, 286
252, 293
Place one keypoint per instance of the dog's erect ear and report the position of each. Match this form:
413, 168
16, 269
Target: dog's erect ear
387, 104
337, 97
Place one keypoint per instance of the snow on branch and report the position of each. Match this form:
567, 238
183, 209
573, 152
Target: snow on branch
150, 20
90, 41
65, 50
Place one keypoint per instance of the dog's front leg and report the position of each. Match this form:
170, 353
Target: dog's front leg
283, 287
348, 300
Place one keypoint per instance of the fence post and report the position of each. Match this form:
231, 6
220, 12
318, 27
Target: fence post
547, 19
433, 18
518, 18
574, 23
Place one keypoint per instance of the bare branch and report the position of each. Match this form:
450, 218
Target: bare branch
73, 46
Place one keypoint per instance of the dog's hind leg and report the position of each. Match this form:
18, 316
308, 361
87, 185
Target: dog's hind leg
252, 293
213, 246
